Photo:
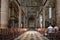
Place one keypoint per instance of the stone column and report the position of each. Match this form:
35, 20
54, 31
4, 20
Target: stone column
4, 13
37, 24
24, 21
20, 16
43, 17
0, 12
0, 18
13, 25
58, 12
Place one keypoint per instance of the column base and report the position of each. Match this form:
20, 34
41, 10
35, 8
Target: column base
3, 26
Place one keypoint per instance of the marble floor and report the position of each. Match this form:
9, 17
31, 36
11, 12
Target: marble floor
31, 35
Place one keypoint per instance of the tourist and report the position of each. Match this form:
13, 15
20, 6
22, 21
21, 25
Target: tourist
56, 28
50, 32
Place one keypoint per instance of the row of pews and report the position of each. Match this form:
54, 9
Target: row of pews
10, 33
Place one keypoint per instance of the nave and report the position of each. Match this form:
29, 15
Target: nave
31, 35
18, 17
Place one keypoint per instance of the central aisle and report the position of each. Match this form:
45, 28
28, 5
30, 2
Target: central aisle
31, 35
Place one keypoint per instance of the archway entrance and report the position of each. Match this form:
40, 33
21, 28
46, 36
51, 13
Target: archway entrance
31, 22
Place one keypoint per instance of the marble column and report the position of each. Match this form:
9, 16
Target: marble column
13, 25
4, 13
0, 12
20, 17
58, 12
37, 19
43, 17
0, 18
24, 21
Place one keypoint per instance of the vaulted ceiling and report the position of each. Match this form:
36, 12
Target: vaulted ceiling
31, 6
31, 2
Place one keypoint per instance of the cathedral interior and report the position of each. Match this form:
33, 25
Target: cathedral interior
28, 19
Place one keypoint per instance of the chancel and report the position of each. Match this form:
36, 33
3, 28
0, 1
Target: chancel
29, 19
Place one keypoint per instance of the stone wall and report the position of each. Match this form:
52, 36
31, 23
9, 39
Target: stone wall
58, 12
